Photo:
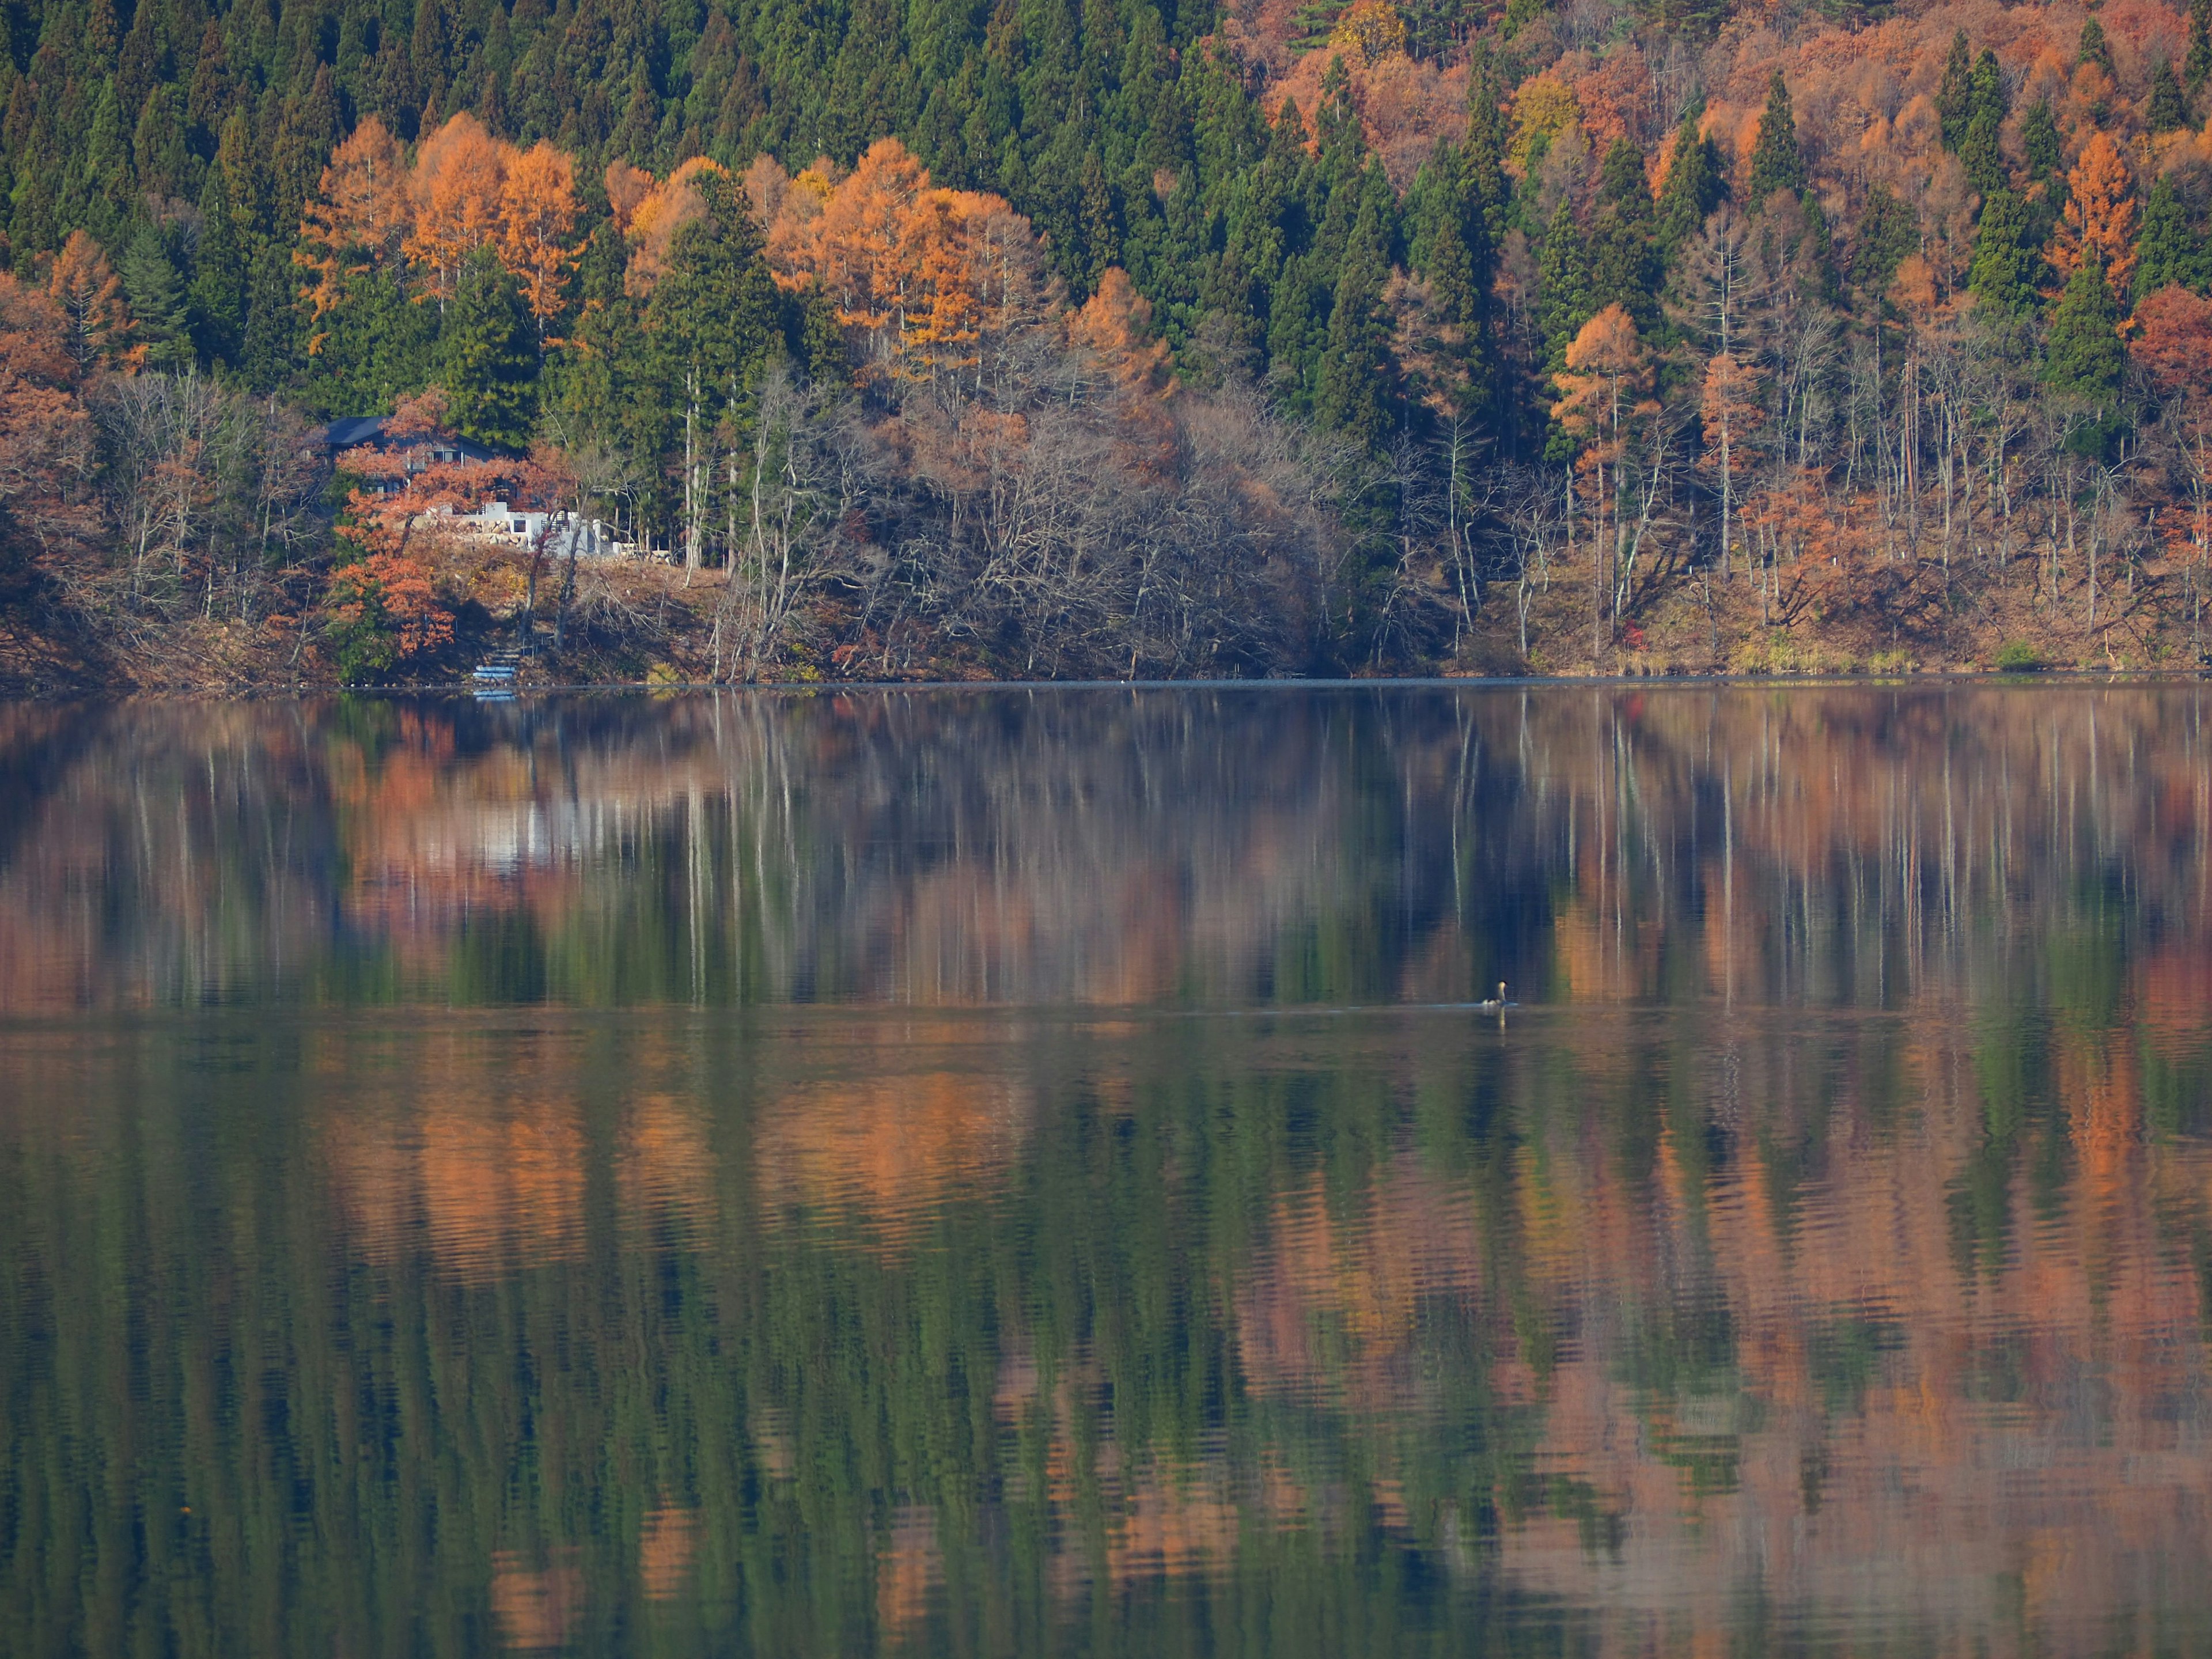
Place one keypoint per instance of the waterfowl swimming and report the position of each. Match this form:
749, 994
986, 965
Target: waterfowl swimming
1494, 1005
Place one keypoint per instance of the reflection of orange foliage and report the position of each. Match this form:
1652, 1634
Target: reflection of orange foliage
2175, 996
493, 1185
665, 1167
890, 1147
911, 1566
535, 1607
664, 1550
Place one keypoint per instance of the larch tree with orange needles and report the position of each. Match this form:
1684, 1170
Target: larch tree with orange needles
2100, 217
456, 187
359, 218
1605, 389
94, 313
539, 210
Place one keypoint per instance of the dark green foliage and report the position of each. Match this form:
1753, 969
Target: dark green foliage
2168, 249
2169, 110
1977, 143
1351, 394
1625, 266
1693, 187
1776, 163
2198, 64
1565, 300
2094, 48
1887, 235
488, 358
1954, 95
219, 276
2002, 278
2084, 359
2039, 144
156, 291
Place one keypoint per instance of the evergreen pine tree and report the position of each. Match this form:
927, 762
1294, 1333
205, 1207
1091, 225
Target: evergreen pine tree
1563, 303
1887, 236
157, 292
1954, 95
2001, 278
2199, 63
488, 357
272, 318
2038, 141
219, 275
1986, 110
715, 314
2094, 48
2083, 358
1625, 265
1692, 188
1979, 155
2167, 251
2169, 110
1351, 391
1775, 161
107, 188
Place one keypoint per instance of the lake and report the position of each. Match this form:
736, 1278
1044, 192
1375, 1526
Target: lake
1018, 1172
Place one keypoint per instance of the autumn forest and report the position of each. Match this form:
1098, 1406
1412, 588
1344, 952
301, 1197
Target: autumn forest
1034, 339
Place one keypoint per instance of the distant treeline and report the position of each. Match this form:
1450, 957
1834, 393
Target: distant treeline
1122, 339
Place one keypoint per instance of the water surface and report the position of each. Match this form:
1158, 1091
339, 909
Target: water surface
1025, 1172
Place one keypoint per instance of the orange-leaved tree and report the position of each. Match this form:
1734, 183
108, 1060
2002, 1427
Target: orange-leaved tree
2100, 217
537, 215
1730, 410
94, 316
660, 214
456, 187
2174, 344
1604, 391
358, 219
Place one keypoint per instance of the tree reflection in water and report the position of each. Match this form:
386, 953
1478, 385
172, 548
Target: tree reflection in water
1016, 1171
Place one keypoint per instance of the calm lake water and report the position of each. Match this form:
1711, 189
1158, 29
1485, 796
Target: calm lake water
1022, 1172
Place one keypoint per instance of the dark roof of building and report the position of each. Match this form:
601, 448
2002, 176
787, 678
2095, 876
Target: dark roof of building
355, 431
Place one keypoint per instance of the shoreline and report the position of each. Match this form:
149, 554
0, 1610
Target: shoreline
465, 691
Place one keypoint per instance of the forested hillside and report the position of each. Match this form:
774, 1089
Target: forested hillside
1039, 338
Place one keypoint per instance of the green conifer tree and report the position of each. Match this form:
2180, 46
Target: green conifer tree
1625, 265
2169, 110
2001, 278
1887, 235
2198, 64
1775, 161
2094, 48
1351, 391
1986, 110
488, 357
1954, 94
156, 291
219, 275
1693, 189
265, 356
2039, 142
108, 187
2083, 357
1564, 301
2167, 250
